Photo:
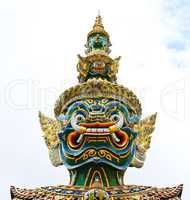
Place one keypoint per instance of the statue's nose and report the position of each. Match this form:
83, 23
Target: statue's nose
95, 108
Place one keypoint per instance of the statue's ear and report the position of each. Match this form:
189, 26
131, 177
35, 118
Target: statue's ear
51, 128
145, 129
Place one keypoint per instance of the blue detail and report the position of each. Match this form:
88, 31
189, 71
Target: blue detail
107, 108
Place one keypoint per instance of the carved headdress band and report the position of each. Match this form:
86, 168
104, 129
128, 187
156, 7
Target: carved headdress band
97, 88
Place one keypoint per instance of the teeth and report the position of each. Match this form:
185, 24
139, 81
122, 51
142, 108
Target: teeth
105, 130
91, 130
97, 130
115, 137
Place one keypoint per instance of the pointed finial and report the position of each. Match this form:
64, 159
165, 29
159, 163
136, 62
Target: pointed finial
98, 26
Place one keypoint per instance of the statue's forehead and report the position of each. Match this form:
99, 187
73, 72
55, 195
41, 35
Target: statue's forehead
97, 100
97, 103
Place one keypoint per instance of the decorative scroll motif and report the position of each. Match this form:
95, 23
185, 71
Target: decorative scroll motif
87, 154
106, 154
93, 153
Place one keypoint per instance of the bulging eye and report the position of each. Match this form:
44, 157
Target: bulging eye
80, 117
115, 118
76, 119
118, 119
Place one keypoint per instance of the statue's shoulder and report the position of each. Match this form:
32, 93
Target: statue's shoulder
78, 193
47, 193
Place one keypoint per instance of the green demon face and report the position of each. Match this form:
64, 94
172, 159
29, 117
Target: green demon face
98, 41
98, 131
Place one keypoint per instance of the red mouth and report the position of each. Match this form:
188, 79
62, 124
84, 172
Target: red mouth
98, 132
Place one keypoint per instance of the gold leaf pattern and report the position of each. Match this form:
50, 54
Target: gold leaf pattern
50, 128
146, 128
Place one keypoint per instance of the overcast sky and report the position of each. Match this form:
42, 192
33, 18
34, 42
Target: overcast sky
39, 41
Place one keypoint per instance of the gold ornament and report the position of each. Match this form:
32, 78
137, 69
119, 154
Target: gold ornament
50, 128
145, 129
96, 88
98, 28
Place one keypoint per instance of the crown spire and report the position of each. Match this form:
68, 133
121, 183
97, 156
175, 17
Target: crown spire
97, 63
98, 39
98, 27
98, 24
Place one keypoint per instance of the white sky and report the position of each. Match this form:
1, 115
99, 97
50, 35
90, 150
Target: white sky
39, 41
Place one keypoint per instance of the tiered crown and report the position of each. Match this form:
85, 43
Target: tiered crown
97, 63
97, 74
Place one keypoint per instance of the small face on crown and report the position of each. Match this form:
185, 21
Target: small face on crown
98, 41
98, 131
